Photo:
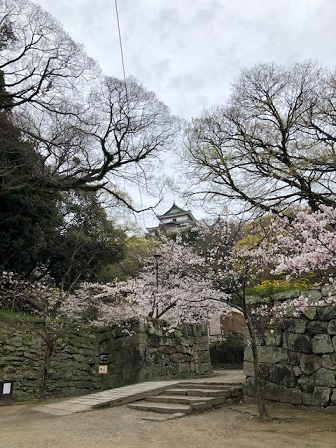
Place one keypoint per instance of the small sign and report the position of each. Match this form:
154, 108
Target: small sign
102, 359
102, 370
6, 390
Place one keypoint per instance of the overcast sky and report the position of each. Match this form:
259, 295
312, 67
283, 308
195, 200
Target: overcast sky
190, 51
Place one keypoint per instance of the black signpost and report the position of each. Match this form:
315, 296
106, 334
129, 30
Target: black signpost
102, 359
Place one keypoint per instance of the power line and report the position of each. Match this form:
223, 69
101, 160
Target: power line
120, 44
126, 90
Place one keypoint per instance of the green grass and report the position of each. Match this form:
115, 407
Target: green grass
6, 314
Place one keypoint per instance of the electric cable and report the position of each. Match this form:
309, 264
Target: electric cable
126, 90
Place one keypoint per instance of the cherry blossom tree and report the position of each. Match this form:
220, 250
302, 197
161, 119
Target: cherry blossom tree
39, 299
173, 285
306, 244
231, 268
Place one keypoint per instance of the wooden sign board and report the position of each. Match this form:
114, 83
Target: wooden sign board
102, 369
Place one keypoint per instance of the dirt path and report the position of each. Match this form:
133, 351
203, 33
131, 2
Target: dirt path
20, 427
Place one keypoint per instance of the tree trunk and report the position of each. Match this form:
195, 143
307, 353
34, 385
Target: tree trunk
49, 347
258, 384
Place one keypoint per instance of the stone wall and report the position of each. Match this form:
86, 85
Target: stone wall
297, 356
73, 369
154, 352
140, 352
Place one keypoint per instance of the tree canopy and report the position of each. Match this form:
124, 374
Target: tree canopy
89, 130
71, 138
271, 145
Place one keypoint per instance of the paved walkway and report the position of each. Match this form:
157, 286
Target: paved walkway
133, 392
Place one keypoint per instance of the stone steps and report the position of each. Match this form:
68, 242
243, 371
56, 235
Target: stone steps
162, 408
199, 392
184, 398
212, 386
177, 399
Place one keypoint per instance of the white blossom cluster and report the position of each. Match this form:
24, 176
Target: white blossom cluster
175, 289
292, 308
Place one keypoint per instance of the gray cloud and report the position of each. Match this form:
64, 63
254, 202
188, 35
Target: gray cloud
193, 49
190, 51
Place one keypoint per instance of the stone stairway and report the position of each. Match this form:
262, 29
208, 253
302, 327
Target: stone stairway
185, 398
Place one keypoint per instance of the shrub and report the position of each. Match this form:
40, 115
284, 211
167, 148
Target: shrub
269, 287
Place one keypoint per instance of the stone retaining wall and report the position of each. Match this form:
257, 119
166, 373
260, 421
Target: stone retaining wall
141, 352
73, 369
297, 356
154, 352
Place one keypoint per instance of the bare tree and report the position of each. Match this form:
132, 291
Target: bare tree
88, 130
121, 131
272, 145
40, 61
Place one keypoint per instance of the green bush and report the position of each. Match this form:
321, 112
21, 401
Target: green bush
270, 287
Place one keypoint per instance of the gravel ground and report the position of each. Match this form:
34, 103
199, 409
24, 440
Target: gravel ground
236, 427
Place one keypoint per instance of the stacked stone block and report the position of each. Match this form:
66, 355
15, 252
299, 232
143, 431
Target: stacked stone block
297, 357
139, 351
73, 363
152, 351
